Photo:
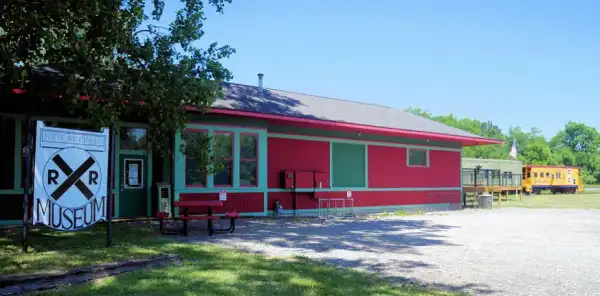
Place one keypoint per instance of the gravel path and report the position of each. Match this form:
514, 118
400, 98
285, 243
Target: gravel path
498, 252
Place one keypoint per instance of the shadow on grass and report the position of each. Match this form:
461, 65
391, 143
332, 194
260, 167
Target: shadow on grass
210, 270
54, 250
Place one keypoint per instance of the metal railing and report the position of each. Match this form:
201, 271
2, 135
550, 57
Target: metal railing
335, 207
486, 177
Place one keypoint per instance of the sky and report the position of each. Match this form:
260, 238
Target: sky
516, 63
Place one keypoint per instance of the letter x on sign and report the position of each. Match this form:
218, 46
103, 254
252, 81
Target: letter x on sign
73, 177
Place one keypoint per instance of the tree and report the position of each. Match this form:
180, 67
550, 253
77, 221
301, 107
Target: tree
109, 52
576, 145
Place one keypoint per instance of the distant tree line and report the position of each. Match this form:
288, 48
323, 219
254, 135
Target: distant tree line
576, 145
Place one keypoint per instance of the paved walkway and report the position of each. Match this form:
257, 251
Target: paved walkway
498, 252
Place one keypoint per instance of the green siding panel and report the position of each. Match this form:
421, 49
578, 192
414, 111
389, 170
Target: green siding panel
349, 167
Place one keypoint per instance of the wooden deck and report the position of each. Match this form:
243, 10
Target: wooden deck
501, 193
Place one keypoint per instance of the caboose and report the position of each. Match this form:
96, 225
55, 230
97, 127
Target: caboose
557, 179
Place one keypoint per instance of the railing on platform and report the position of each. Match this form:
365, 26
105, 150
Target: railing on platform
335, 207
490, 178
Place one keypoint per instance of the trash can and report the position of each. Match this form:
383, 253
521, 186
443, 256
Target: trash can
485, 201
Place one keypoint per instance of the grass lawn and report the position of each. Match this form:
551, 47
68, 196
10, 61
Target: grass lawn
558, 201
205, 270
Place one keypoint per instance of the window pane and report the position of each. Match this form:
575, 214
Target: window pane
248, 173
417, 157
225, 175
195, 173
248, 146
223, 145
133, 138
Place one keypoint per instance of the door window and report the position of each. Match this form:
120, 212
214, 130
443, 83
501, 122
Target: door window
133, 169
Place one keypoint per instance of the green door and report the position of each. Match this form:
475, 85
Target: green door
133, 184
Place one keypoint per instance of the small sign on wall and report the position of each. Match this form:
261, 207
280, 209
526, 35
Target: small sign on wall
348, 193
223, 195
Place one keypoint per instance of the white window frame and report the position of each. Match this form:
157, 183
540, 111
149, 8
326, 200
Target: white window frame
417, 166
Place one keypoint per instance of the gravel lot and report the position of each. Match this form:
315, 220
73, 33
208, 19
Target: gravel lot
497, 252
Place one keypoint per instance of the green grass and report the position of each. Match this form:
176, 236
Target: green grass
556, 201
204, 270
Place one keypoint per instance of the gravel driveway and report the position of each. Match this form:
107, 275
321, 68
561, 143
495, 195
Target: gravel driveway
497, 252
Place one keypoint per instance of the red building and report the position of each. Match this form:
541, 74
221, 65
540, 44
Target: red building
279, 146
297, 148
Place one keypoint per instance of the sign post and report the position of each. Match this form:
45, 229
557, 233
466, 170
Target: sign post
71, 174
110, 185
27, 186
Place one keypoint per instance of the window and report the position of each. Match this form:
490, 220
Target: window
535, 175
133, 138
248, 159
223, 153
547, 175
417, 157
195, 173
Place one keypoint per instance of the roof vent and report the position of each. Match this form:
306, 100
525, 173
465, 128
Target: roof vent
260, 83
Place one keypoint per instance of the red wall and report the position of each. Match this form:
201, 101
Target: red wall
291, 154
388, 169
368, 198
241, 202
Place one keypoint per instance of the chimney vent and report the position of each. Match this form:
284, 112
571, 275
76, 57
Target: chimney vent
260, 83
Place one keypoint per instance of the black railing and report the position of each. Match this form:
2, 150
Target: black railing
488, 177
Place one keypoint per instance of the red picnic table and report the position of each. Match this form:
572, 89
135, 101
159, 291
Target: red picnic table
184, 215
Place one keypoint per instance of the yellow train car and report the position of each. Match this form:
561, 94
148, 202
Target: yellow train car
557, 179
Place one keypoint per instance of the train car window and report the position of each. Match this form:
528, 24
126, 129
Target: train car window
535, 175
528, 175
547, 175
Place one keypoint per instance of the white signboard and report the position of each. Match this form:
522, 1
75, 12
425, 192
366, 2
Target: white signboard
222, 195
71, 171
348, 193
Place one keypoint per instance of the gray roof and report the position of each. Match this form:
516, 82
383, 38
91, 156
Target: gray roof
278, 102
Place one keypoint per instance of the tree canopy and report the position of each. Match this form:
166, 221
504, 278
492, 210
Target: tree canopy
576, 145
113, 53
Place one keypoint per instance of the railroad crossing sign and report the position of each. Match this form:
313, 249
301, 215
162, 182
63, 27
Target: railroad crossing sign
71, 169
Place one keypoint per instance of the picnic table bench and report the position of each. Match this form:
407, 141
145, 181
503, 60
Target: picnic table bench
184, 215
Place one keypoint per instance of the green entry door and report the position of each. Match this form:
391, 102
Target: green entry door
133, 184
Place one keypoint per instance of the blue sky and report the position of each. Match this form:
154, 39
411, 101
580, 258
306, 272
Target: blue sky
526, 63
